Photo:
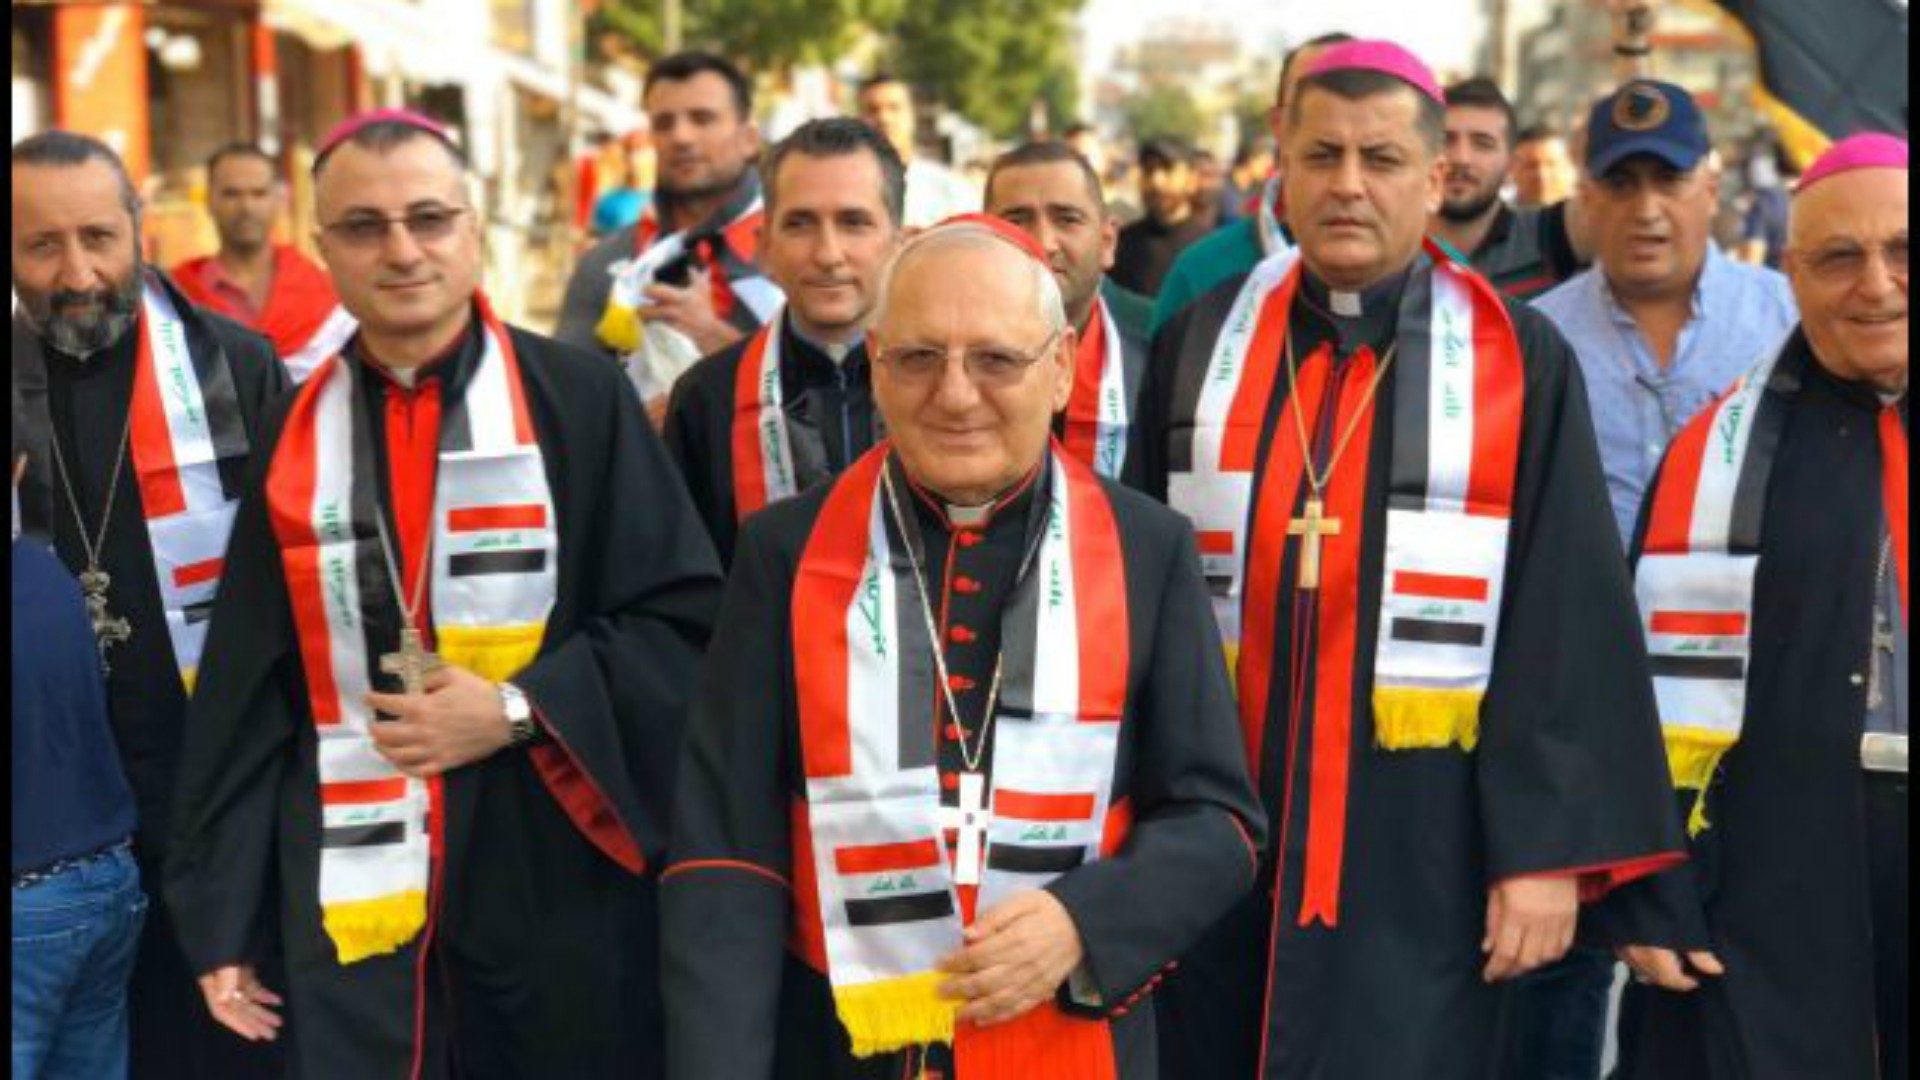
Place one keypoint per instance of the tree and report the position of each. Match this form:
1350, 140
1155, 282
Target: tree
1162, 111
764, 35
990, 59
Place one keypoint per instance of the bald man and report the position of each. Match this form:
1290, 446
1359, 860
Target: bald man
968, 870
1772, 577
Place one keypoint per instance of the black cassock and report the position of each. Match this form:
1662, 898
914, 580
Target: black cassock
1799, 883
830, 423
542, 960
1568, 776
85, 404
732, 1013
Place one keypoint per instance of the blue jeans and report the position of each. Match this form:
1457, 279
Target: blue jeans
1559, 1019
74, 939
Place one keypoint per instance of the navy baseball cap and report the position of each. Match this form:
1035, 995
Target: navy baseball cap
1646, 117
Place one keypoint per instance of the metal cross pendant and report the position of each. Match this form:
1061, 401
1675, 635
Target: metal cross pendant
108, 629
1883, 642
1311, 528
969, 820
413, 663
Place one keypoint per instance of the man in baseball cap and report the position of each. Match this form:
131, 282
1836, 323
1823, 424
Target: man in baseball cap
1148, 247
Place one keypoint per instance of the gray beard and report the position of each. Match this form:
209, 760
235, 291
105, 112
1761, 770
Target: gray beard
82, 338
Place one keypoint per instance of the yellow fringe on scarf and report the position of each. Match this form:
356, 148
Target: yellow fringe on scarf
1405, 719
891, 1015
495, 653
1693, 756
363, 928
620, 328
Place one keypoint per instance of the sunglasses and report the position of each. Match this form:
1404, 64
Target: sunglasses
426, 224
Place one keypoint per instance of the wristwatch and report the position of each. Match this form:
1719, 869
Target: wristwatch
520, 726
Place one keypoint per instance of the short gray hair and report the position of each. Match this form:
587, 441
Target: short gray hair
1049, 305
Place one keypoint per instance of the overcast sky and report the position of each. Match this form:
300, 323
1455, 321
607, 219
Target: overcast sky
1444, 32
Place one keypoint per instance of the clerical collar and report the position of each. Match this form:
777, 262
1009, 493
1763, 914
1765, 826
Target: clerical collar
445, 365
1360, 318
953, 518
838, 352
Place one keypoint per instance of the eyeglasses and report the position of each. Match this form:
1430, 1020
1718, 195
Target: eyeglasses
986, 366
1843, 262
426, 224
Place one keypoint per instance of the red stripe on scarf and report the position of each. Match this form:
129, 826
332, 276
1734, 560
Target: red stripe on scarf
150, 440
1670, 517
1338, 607
1082, 429
1266, 557
1215, 543
522, 420
1706, 623
1028, 806
823, 588
1240, 449
887, 858
486, 518
197, 573
1439, 586
290, 490
1100, 592
356, 792
1499, 401
749, 462
1893, 491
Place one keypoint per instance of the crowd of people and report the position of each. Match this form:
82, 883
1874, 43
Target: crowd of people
901, 627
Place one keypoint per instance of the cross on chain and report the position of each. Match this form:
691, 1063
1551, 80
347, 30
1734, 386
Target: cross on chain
969, 820
413, 663
108, 629
1311, 528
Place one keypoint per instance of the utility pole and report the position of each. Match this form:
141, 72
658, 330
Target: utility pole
670, 26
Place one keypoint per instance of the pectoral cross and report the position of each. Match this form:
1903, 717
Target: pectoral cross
1311, 529
413, 663
969, 820
1883, 642
108, 630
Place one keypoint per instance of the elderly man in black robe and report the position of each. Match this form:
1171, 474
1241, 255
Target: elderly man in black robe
1773, 591
964, 763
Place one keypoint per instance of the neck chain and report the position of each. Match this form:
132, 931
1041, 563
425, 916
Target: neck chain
970, 756
108, 630
409, 610
1317, 478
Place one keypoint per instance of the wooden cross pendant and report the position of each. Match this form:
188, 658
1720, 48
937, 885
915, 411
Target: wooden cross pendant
969, 820
413, 663
1311, 528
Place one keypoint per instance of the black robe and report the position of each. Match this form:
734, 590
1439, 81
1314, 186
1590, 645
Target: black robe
726, 930
1568, 775
542, 956
1799, 884
830, 420
84, 404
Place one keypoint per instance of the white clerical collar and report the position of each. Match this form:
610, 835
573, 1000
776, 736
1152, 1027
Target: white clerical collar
836, 351
1347, 305
406, 377
968, 517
